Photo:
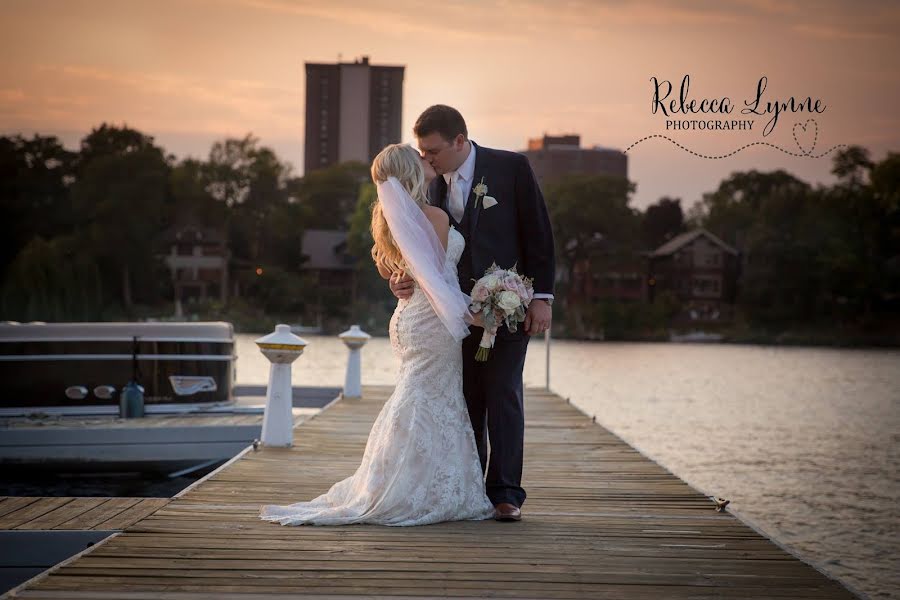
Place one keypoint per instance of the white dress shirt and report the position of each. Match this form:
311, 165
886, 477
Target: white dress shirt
463, 183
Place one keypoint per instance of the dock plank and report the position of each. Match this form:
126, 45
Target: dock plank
14, 503
75, 513
100, 513
133, 514
601, 521
67, 512
31, 511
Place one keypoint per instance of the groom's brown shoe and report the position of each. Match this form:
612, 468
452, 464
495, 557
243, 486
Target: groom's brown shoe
507, 512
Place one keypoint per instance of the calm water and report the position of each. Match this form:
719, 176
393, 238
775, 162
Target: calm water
136, 484
805, 442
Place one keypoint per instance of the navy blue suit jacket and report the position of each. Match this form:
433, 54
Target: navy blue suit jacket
515, 231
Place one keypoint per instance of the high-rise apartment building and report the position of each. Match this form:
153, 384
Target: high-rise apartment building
353, 110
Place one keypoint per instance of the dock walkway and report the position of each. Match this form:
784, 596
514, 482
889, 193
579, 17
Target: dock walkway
601, 521
23, 513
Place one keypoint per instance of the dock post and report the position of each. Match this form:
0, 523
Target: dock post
281, 348
354, 338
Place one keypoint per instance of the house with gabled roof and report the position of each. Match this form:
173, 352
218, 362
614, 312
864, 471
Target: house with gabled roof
701, 270
328, 260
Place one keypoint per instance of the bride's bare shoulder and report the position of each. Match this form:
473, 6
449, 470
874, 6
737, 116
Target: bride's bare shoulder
440, 221
433, 212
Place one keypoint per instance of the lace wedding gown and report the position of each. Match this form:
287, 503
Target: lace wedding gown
420, 464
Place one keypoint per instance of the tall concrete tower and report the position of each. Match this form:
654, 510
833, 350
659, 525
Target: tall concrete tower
353, 110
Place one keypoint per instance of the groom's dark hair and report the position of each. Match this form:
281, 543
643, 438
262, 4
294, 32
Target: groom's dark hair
442, 119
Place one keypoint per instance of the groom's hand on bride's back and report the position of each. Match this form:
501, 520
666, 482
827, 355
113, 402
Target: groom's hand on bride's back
401, 285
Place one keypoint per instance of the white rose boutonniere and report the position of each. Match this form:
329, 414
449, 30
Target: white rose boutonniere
480, 190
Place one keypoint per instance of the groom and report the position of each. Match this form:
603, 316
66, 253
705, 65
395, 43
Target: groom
513, 231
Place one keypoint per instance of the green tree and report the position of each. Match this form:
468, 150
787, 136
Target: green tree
780, 278
594, 226
35, 177
109, 140
255, 188
811, 257
885, 178
584, 208
733, 207
122, 199
862, 206
852, 165
52, 280
329, 196
229, 169
193, 202
375, 302
662, 221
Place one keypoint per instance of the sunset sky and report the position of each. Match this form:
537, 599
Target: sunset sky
194, 71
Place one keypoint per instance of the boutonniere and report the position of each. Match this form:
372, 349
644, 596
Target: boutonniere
481, 191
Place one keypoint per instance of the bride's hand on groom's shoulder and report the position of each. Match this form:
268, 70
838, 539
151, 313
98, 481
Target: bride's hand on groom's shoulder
401, 285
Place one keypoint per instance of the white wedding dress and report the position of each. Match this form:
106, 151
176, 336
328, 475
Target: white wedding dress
420, 464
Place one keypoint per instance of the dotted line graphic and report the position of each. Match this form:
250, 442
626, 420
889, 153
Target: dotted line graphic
807, 154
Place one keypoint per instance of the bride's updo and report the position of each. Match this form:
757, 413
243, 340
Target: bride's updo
403, 162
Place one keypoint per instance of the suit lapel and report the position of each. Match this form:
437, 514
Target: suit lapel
481, 164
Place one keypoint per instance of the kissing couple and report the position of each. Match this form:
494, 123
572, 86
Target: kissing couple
426, 458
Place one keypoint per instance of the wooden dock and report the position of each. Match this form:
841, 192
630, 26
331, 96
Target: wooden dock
601, 521
24, 513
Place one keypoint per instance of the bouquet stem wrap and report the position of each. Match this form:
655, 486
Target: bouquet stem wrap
484, 347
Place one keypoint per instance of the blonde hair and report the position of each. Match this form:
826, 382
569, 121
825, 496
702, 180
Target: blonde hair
400, 161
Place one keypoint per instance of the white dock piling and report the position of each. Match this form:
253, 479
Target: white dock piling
281, 348
354, 338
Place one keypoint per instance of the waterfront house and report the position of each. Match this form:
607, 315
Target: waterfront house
701, 270
609, 271
198, 260
327, 259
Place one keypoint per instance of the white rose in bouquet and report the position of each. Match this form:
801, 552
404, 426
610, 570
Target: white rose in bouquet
490, 282
508, 301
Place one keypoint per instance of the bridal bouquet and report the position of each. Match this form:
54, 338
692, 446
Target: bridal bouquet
501, 296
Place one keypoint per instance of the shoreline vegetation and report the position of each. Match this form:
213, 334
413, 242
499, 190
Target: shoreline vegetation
98, 234
248, 321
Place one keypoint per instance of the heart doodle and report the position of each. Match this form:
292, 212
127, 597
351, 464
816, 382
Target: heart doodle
806, 135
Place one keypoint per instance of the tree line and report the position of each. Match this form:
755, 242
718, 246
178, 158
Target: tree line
83, 230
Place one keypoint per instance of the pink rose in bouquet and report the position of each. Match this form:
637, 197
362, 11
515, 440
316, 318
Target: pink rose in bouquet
480, 294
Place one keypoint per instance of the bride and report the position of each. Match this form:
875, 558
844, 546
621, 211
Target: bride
420, 464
